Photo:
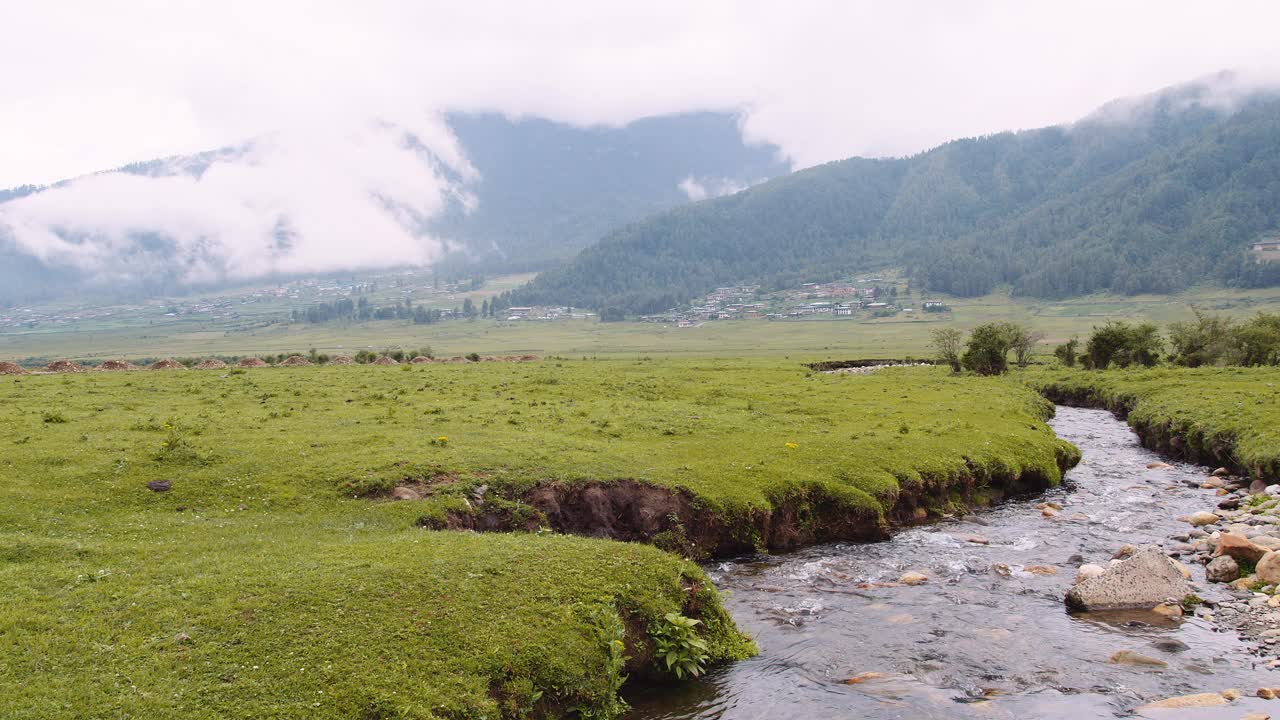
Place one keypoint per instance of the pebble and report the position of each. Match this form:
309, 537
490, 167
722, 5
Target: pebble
913, 578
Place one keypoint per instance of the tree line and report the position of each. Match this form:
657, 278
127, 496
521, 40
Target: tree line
1205, 340
361, 310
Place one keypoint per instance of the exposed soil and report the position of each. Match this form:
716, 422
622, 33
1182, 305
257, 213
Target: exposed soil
210, 364
421, 360
294, 361
8, 368
64, 366
675, 520
342, 360
117, 366
252, 362
829, 365
167, 365
384, 360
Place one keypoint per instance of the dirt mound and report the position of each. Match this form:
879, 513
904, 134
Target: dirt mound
294, 361
64, 366
421, 360
384, 360
342, 360
116, 365
527, 358
8, 368
167, 364
252, 362
456, 359
210, 364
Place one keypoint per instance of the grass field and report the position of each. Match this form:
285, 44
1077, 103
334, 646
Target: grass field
153, 335
261, 585
1228, 415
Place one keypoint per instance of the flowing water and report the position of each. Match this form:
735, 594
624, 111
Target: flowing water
983, 638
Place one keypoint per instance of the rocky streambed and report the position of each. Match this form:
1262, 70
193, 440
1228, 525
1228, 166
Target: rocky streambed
966, 618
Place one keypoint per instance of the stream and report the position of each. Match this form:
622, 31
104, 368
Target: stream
983, 638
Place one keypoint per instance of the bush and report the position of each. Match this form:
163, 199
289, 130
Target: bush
988, 350
1022, 340
1121, 344
947, 343
1067, 352
1258, 340
1207, 340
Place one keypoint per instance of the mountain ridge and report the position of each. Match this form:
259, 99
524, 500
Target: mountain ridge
1150, 205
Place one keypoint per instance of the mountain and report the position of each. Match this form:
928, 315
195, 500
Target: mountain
542, 191
548, 190
1145, 195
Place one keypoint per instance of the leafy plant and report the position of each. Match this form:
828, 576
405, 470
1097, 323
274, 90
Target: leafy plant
678, 648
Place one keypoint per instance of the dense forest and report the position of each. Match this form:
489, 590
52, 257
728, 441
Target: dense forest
1150, 195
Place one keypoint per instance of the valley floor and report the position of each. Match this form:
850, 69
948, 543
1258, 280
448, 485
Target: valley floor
229, 544
145, 332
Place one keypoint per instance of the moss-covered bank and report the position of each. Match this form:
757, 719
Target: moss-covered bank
1228, 417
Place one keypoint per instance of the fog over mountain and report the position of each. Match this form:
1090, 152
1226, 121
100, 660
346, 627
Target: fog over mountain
478, 192
335, 117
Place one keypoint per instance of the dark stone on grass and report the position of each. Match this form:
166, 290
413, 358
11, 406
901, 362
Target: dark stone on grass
159, 486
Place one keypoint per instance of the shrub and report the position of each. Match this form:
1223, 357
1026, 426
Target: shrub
1259, 340
1121, 344
947, 343
1067, 351
1207, 340
1022, 340
988, 349
473, 357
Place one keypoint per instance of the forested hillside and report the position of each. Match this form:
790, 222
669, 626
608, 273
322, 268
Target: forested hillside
1144, 196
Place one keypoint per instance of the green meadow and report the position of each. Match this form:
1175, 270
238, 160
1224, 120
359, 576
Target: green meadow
274, 578
1209, 414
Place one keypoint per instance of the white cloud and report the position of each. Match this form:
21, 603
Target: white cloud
292, 202
93, 85
700, 189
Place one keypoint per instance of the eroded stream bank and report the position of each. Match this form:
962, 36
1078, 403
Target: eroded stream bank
988, 635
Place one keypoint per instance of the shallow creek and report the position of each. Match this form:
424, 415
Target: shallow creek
975, 642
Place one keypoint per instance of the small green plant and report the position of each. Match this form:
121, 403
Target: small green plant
611, 633
473, 357
54, 418
177, 448
678, 648
440, 441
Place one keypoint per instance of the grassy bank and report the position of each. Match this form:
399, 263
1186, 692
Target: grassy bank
1214, 416
276, 577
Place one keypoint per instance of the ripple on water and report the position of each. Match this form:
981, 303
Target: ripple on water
984, 638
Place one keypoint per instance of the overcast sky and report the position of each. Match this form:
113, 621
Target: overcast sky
90, 85
328, 90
